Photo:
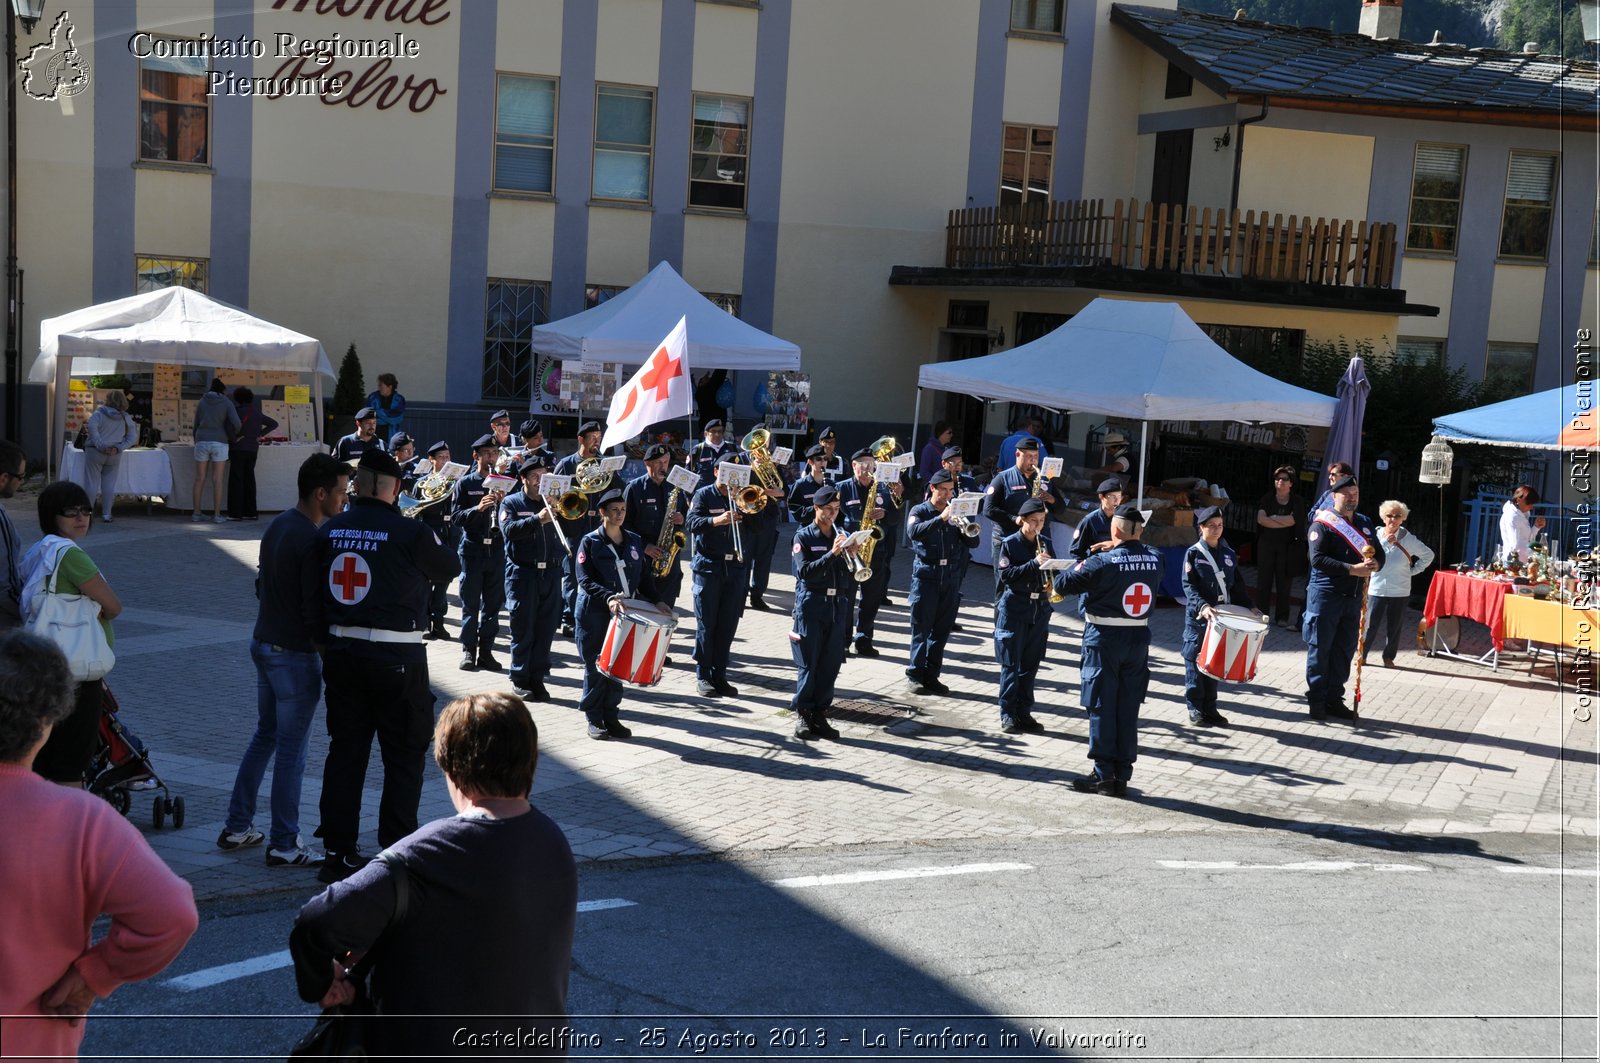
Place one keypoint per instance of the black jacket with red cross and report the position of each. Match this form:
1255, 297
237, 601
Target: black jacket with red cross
376, 567
1119, 588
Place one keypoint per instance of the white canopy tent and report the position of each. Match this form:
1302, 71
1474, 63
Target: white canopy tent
629, 326
1133, 360
174, 326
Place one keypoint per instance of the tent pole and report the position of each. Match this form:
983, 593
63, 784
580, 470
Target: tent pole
316, 406
1144, 434
916, 422
58, 408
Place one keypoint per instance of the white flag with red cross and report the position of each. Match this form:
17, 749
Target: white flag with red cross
659, 391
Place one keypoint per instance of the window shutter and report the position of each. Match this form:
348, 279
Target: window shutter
527, 107
1436, 161
1532, 178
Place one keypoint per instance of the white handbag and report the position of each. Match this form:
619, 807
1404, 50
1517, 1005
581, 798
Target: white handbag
72, 622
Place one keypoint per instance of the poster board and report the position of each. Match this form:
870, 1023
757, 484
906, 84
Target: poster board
788, 401
302, 422
278, 411
589, 386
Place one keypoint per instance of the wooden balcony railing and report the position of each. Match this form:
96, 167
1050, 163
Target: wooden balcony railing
1226, 243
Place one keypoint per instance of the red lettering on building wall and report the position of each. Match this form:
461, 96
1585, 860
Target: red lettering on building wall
374, 85
418, 12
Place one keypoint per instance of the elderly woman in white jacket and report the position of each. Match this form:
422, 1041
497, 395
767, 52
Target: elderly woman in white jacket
110, 432
1389, 593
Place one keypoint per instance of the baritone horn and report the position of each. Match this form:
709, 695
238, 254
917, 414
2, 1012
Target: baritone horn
758, 443
428, 491
587, 479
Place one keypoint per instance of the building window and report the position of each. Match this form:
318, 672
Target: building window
595, 294
1530, 202
1025, 163
1509, 368
513, 308
174, 115
725, 300
624, 129
1419, 352
524, 134
1437, 175
1179, 83
1036, 16
152, 274
721, 152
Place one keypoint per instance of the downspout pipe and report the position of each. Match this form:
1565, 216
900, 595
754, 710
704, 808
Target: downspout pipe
1238, 154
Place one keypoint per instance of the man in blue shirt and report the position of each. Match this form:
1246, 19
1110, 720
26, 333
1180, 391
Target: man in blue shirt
363, 439
1033, 429
712, 450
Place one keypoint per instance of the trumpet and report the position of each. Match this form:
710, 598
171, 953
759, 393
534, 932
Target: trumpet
852, 561
1049, 587
967, 526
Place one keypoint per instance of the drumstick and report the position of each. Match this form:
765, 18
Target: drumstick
1361, 632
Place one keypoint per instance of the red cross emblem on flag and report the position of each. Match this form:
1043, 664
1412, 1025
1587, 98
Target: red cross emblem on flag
349, 578
1137, 600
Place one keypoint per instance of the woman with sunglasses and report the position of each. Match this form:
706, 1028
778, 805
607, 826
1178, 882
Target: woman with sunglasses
1389, 593
1280, 539
64, 517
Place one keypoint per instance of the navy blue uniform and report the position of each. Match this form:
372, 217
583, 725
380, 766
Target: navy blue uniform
574, 531
1203, 584
856, 500
1332, 622
822, 586
533, 585
353, 446
648, 504
800, 495
1006, 493
939, 561
1021, 624
719, 582
1120, 587
834, 471
599, 580
437, 517
704, 458
1093, 529
376, 566
483, 566
760, 533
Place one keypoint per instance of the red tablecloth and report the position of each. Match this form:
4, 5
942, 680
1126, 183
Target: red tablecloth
1483, 600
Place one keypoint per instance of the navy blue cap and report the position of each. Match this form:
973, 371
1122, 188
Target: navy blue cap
826, 433
656, 450
533, 461
530, 427
1205, 513
862, 453
825, 494
435, 448
1108, 486
485, 440
398, 440
715, 422
1343, 482
378, 461
1032, 505
950, 452
1027, 443
588, 426
500, 415
609, 497
1130, 511
815, 450
366, 413
940, 477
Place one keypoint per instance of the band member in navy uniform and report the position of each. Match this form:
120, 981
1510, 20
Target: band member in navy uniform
706, 455
833, 463
648, 498
588, 447
761, 534
822, 586
403, 449
1094, 531
533, 578
363, 439
857, 500
953, 463
483, 559
1022, 615
1120, 588
1007, 492
719, 583
500, 429
939, 551
1343, 546
377, 565
1211, 577
609, 561
532, 433
437, 517
806, 487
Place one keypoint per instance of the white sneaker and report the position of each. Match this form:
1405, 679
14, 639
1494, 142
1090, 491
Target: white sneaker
219, 519
298, 856
195, 518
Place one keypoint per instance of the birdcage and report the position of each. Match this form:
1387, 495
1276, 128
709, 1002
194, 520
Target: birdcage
1437, 458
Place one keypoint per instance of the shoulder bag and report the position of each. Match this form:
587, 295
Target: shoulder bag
72, 622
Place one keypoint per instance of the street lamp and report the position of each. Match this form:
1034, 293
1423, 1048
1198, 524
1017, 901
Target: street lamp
28, 12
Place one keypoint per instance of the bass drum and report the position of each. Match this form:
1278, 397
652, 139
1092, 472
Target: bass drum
1441, 636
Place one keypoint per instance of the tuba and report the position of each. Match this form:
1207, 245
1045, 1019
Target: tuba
757, 443
587, 479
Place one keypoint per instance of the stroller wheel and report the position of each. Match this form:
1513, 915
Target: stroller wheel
119, 799
158, 812
175, 806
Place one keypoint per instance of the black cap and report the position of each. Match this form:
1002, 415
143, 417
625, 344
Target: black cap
366, 413
940, 477
815, 451
950, 452
485, 440
500, 415
533, 461
825, 494
436, 447
530, 427
1108, 486
826, 433
1031, 505
1205, 513
589, 426
715, 422
398, 440
1130, 511
862, 453
380, 462
1027, 443
1343, 482
609, 497
656, 450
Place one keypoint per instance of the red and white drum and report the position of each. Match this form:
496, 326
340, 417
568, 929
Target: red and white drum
1232, 644
635, 650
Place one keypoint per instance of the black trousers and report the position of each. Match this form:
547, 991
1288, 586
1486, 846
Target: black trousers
242, 483
70, 748
1274, 569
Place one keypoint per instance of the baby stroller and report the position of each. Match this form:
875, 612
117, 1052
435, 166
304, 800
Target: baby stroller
122, 765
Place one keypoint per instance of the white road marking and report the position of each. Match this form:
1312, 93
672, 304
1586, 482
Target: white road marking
807, 881
1589, 871
1304, 865
273, 961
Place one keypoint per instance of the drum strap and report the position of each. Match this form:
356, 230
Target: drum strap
622, 570
1222, 579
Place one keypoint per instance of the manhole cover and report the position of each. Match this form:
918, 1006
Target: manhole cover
875, 713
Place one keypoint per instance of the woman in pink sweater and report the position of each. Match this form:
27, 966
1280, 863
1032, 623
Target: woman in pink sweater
67, 859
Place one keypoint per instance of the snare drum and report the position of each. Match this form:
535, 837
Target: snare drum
635, 650
1232, 644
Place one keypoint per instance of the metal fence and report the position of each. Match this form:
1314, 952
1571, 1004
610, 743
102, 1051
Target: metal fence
1568, 529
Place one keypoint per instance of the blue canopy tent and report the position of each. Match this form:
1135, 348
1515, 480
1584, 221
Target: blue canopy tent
1544, 421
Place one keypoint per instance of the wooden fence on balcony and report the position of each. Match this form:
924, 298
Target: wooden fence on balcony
1229, 243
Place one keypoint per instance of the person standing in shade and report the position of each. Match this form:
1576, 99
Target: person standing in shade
242, 455
954, 463
833, 463
1337, 471
1033, 429
588, 448
436, 517
373, 609
861, 498
110, 431
933, 450
1389, 594
389, 405
805, 489
533, 579
1518, 526
1008, 491
1280, 535
13, 471
1120, 589
1022, 616
215, 422
363, 439
1211, 577
483, 558
285, 649
719, 582
761, 535
711, 451
1340, 540
608, 565
939, 562
648, 499
822, 586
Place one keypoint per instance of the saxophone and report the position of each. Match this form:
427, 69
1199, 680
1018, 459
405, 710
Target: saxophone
671, 540
881, 450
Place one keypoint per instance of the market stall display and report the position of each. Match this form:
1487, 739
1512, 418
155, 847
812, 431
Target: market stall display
143, 471
1480, 598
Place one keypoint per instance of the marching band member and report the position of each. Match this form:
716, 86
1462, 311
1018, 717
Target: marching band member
500, 428
822, 586
1093, 533
1211, 577
1338, 539
857, 500
940, 553
404, 450
1011, 488
589, 433
833, 465
1022, 615
532, 433
1120, 589
714, 449
719, 582
437, 517
483, 558
953, 463
609, 560
761, 535
647, 497
533, 578
806, 487
363, 439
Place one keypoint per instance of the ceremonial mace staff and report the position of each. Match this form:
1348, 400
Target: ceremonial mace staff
1367, 553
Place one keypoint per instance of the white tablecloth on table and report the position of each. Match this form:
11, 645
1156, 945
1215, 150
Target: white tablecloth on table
142, 471
277, 473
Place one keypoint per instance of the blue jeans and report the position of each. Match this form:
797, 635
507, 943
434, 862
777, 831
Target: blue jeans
288, 687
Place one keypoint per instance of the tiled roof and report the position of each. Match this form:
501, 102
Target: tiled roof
1258, 58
